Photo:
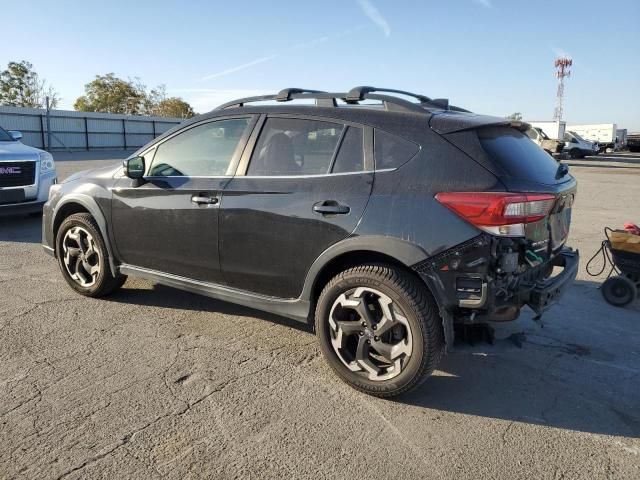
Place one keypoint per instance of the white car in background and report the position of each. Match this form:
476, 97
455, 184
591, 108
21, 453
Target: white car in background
26, 173
578, 147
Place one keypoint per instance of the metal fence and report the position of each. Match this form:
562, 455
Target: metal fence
71, 130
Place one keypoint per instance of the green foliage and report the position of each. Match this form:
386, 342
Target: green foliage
20, 86
110, 94
173, 107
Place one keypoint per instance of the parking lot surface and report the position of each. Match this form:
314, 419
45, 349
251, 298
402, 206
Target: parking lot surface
157, 383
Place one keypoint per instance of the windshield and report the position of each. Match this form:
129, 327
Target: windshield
577, 136
4, 136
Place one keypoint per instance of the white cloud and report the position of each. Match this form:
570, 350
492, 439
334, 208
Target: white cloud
239, 67
484, 3
375, 16
310, 44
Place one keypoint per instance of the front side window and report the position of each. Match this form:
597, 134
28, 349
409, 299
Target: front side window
202, 151
289, 146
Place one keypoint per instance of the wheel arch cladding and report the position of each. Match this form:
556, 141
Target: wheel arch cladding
72, 204
358, 251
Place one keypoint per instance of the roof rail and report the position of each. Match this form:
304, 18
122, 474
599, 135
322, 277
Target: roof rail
359, 93
284, 95
354, 96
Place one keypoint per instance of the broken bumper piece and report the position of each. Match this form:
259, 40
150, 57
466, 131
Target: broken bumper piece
547, 292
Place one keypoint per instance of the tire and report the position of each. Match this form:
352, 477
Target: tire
575, 153
410, 332
619, 291
80, 248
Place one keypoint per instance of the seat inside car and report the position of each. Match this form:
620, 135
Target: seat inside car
277, 157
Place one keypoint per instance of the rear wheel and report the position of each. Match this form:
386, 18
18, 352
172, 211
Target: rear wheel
379, 329
619, 291
575, 153
83, 257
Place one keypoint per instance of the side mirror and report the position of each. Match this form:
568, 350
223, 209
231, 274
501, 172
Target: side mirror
134, 167
15, 134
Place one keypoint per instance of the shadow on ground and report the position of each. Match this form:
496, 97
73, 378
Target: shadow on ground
167, 297
21, 228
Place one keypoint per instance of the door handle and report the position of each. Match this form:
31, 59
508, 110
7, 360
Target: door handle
331, 207
204, 200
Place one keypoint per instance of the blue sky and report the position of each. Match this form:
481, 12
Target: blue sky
490, 56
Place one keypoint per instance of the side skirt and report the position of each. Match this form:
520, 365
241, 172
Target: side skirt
296, 309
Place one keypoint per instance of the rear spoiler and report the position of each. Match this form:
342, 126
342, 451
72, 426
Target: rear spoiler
451, 121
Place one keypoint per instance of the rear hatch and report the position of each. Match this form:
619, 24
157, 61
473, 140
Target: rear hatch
521, 166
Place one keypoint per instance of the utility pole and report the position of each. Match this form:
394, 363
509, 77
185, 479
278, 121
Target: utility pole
562, 71
48, 125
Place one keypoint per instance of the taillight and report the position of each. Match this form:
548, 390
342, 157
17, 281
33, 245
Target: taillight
499, 213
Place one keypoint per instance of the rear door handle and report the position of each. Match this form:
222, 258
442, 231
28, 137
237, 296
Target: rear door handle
331, 207
204, 200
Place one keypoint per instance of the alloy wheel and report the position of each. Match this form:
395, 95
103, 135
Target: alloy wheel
370, 334
81, 257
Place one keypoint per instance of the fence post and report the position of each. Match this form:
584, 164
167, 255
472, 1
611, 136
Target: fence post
124, 132
44, 146
48, 124
86, 133
153, 124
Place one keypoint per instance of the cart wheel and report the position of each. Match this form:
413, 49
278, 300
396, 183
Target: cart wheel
619, 291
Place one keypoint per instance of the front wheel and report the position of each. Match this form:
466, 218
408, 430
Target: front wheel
379, 329
83, 257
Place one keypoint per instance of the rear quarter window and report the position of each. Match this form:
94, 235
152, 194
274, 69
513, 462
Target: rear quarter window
391, 151
517, 155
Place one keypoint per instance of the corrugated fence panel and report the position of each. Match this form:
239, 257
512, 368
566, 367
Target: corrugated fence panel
106, 140
140, 127
84, 130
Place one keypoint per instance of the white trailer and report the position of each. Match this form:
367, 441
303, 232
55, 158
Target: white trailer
554, 129
603, 133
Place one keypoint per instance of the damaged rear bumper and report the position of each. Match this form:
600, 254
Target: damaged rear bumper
543, 294
471, 283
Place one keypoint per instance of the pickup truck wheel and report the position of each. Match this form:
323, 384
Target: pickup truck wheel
575, 153
379, 329
83, 257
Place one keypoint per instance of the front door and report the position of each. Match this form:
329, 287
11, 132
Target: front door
306, 186
169, 223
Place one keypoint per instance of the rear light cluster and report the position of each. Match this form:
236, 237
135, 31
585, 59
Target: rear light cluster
499, 213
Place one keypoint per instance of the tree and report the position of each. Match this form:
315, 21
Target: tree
173, 107
110, 94
20, 86
515, 116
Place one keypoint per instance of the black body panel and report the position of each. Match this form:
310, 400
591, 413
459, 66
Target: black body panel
269, 218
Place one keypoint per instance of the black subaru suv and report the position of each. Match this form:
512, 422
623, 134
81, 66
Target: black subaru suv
385, 218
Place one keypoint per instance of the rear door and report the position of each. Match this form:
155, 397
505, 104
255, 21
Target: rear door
301, 188
169, 223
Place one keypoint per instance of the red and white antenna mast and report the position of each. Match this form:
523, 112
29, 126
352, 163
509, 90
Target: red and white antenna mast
562, 71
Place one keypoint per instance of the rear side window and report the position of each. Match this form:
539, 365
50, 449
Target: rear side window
290, 146
350, 157
392, 151
517, 155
